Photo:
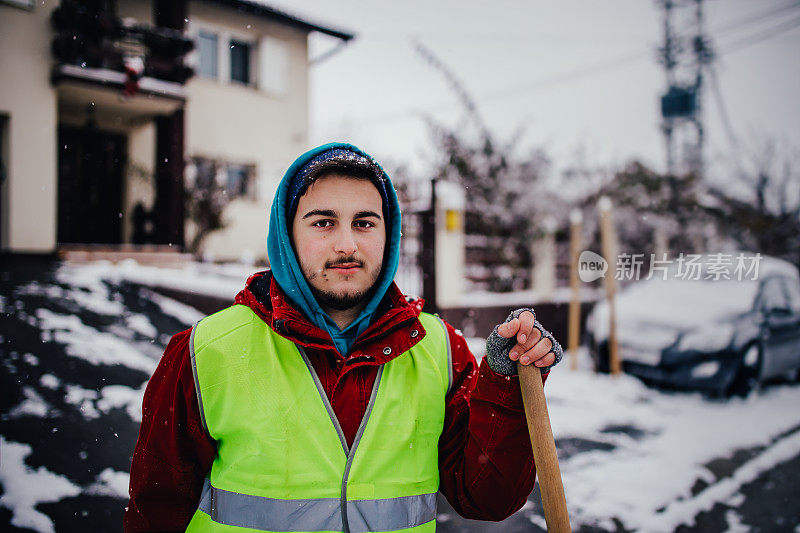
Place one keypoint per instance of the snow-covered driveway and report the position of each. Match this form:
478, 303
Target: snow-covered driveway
76, 352
650, 459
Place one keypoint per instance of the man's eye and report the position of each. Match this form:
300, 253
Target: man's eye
363, 224
323, 223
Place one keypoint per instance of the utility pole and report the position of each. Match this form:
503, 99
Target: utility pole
684, 55
427, 255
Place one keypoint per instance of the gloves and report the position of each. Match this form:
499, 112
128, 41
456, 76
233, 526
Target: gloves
497, 347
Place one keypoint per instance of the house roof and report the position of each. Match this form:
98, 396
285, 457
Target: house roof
254, 7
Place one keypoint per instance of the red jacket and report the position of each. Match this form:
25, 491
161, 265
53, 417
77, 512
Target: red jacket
486, 465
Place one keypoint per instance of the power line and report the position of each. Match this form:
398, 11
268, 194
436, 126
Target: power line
757, 17
502, 37
739, 44
724, 116
570, 76
480, 100
769, 33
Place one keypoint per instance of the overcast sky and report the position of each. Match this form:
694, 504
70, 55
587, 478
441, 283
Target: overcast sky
579, 75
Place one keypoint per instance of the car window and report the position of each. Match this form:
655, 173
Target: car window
793, 293
773, 295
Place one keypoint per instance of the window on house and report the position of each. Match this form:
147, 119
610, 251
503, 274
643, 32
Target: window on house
213, 176
207, 46
239, 181
240, 62
205, 172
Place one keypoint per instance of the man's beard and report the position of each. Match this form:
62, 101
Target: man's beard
342, 302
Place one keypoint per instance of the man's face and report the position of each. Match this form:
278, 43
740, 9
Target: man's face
339, 235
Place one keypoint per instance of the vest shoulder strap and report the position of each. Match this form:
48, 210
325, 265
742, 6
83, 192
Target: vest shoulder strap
437, 341
220, 324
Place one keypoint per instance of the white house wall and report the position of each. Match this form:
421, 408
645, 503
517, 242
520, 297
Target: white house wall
245, 124
139, 184
140, 10
29, 102
245, 235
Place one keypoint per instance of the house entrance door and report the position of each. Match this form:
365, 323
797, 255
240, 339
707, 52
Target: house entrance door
90, 172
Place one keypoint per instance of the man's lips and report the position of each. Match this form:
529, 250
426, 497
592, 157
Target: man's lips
345, 268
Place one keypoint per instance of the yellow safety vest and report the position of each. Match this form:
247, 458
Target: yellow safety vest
282, 461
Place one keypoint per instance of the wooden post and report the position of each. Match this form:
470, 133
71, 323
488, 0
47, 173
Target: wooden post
543, 251
544, 449
574, 325
609, 240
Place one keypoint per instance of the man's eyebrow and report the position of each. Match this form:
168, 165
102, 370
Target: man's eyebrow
321, 212
365, 214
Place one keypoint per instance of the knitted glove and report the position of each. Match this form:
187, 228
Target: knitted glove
497, 347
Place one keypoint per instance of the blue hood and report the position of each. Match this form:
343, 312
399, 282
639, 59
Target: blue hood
286, 268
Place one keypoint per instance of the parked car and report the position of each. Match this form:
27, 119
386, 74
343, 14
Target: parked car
717, 335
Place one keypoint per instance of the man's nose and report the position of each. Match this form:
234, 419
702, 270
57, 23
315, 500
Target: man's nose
345, 242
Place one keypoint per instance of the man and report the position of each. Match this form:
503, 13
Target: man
324, 400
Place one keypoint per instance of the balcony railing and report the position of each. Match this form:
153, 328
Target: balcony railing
88, 35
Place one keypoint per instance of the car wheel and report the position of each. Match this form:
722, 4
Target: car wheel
748, 378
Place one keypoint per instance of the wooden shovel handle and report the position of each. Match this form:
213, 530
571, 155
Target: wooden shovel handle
544, 449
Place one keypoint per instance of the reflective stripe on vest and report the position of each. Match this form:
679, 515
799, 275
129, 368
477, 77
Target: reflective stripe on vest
269, 514
283, 463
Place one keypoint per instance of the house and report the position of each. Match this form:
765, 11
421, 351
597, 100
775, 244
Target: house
114, 112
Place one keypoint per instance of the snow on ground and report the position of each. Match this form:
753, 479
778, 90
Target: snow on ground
49, 381
735, 523
81, 311
184, 313
654, 446
94, 296
25, 487
33, 405
90, 344
119, 396
111, 483
677, 511
224, 281
83, 399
